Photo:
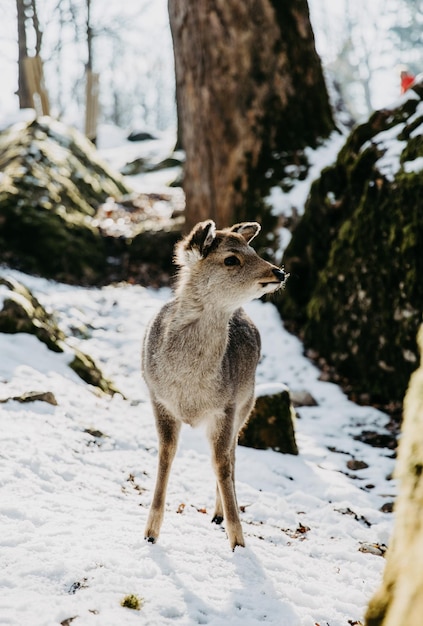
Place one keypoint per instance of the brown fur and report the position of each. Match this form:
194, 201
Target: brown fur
200, 356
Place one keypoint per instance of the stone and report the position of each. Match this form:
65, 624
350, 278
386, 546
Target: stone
355, 292
23, 313
271, 423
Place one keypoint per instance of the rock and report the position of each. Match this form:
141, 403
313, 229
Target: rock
156, 246
85, 367
388, 507
302, 397
65, 215
34, 396
355, 291
271, 423
377, 440
137, 166
51, 185
378, 549
140, 135
399, 599
355, 465
23, 313
140, 165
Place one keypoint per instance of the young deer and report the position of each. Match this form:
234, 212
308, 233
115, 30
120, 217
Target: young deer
200, 355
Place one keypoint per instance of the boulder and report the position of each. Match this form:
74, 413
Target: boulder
52, 182
355, 293
65, 215
271, 423
23, 313
140, 135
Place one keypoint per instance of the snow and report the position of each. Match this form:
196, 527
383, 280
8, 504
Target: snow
285, 203
413, 166
292, 203
391, 148
73, 504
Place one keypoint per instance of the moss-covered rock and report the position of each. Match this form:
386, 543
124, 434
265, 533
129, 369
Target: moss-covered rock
23, 313
33, 396
65, 215
156, 246
355, 291
399, 601
271, 423
86, 368
51, 184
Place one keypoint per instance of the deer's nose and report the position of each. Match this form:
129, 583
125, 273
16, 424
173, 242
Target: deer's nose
280, 274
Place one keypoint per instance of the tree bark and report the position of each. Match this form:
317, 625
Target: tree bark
399, 600
37, 28
249, 86
90, 36
25, 100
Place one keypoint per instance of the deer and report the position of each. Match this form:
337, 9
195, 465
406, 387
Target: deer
200, 354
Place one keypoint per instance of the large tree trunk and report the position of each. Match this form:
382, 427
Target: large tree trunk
249, 85
399, 601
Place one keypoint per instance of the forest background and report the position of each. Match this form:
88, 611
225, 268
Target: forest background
363, 46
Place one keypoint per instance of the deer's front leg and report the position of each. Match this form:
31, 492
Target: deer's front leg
168, 433
223, 441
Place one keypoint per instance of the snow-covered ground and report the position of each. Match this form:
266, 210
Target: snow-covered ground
73, 504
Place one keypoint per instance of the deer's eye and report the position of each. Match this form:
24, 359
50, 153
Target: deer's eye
230, 261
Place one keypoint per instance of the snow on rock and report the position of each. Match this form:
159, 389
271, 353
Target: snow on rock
77, 478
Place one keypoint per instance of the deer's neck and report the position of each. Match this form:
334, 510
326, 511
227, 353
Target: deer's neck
202, 328
192, 306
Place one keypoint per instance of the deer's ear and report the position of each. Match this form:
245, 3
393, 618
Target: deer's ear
195, 245
247, 229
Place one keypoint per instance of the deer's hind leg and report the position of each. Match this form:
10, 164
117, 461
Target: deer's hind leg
223, 441
218, 514
168, 434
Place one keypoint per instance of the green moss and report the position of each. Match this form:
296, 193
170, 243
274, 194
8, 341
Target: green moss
355, 291
271, 424
53, 244
86, 368
52, 184
22, 313
132, 601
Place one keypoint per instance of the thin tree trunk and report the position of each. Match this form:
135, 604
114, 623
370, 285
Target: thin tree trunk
25, 100
249, 84
37, 29
89, 35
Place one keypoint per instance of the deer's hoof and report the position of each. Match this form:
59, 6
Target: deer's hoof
217, 519
240, 544
150, 539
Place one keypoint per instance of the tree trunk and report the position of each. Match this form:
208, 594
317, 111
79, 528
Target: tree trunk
90, 37
25, 100
37, 30
249, 86
399, 600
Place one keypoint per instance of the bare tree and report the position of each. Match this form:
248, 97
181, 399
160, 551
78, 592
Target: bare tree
26, 13
23, 91
249, 85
